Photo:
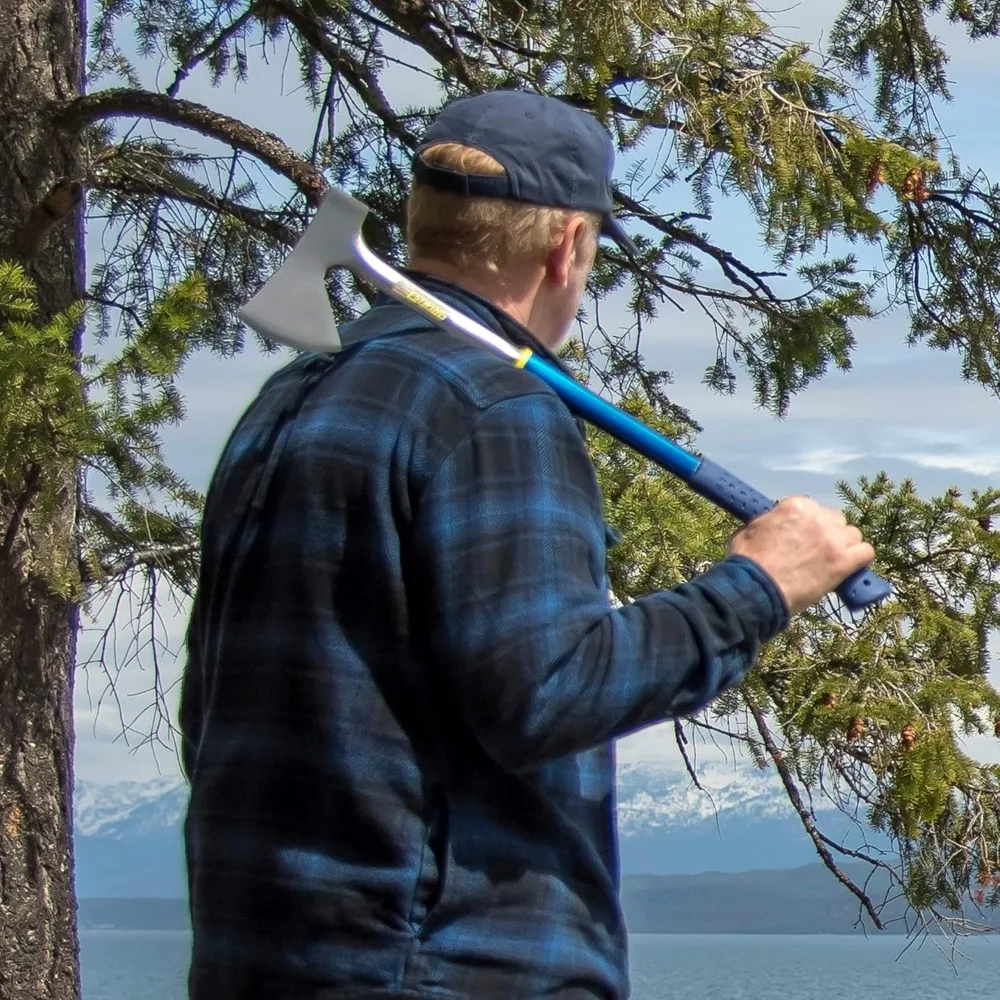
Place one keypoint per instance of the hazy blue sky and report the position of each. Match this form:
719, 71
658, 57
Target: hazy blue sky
877, 417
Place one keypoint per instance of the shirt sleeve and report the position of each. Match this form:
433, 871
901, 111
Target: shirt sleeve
512, 605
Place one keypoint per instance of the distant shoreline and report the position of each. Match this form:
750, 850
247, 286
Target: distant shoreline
800, 902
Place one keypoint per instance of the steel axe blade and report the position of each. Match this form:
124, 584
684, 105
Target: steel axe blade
293, 306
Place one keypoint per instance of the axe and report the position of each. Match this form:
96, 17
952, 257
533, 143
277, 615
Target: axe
293, 308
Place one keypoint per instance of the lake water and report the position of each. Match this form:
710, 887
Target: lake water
151, 965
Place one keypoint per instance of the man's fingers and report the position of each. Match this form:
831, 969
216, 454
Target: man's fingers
859, 556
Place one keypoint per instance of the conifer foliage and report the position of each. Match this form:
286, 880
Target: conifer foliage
706, 101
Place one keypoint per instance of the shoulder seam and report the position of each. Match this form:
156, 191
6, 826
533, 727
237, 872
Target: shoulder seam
459, 383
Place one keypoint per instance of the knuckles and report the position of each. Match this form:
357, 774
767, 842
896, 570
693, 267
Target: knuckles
798, 504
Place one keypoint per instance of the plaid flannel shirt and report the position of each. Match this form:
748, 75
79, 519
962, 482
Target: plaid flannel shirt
405, 678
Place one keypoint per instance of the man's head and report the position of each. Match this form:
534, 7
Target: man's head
512, 191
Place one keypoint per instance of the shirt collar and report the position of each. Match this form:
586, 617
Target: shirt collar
460, 297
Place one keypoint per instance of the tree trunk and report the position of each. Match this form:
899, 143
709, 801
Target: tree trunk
41, 61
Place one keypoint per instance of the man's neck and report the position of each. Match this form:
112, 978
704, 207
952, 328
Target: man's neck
514, 301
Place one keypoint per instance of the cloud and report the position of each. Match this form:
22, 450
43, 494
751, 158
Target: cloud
823, 461
962, 458
657, 745
106, 750
929, 437
983, 463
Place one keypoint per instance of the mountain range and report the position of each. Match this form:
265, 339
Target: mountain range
128, 835
731, 858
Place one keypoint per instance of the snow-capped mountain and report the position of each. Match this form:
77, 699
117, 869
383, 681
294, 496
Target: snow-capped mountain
128, 835
652, 797
124, 809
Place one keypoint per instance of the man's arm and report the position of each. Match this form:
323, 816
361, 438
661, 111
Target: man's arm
508, 553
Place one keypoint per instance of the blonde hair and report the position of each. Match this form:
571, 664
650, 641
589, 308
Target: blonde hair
478, 233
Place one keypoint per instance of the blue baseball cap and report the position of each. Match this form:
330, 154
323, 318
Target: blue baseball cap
552, 153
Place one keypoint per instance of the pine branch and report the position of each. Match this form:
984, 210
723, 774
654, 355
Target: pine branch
185, 68
107, 303
791, 789
416, 20
132, 103
362, 79
740, 274
254, 218
858, 855
681, 740
32, 487
156, 556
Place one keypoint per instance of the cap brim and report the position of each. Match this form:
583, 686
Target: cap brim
614, 230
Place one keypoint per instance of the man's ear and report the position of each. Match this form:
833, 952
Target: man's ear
572, 247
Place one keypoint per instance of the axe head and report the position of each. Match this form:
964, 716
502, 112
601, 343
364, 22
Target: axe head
293, 307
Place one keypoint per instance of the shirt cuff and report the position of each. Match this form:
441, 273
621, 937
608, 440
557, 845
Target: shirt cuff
753, 595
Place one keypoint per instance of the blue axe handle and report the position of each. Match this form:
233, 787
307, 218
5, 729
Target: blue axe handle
861, 589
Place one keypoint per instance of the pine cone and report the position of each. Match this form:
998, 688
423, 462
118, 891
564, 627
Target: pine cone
996, 727
876, 176
855, 729
830, 699
914, 187
908, 736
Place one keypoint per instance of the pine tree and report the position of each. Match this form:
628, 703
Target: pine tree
704, 100
40, 61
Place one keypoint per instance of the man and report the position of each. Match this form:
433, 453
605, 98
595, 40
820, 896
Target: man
405, 674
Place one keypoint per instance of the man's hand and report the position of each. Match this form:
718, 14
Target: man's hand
808, 550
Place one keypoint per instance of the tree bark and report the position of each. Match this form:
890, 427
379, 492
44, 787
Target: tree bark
41, 64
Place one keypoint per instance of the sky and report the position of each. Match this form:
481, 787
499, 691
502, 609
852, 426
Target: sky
875, 417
